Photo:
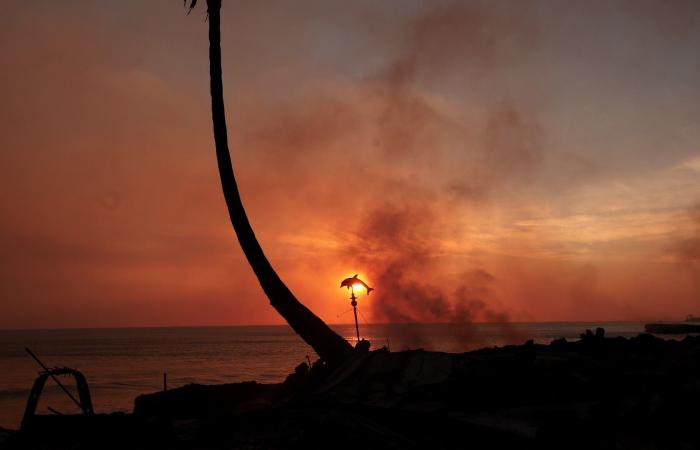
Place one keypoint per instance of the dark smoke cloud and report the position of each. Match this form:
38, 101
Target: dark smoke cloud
400, 242
401, 141
400, 246
688, 249
465, 40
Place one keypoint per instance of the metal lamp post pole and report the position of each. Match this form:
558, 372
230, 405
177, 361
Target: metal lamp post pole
353, 302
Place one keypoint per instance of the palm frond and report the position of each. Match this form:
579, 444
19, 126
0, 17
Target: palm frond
193, 3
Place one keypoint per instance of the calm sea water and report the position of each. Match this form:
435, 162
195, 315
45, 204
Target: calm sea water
122, 363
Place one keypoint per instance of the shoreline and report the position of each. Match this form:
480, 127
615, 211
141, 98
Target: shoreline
529, 395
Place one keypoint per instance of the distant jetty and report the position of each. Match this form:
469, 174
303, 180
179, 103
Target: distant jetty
691, 325
672, 328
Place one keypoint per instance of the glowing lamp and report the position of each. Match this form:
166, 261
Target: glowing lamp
352, 284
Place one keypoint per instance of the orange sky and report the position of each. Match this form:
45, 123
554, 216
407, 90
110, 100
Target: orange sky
473, 161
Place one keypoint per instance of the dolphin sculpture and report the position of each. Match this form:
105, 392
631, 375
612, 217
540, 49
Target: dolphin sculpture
350, 282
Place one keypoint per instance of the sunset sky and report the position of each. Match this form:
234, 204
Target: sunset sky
473, 161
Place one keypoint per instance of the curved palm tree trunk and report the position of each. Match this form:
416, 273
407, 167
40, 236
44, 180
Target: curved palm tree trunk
329, 345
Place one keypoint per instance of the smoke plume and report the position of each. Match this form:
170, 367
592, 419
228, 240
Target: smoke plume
688, 249
400, 242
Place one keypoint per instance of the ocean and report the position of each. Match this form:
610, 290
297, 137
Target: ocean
122, 363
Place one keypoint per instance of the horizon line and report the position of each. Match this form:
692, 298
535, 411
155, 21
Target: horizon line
145, 327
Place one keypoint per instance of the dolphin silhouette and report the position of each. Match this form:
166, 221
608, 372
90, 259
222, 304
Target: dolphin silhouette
350, 282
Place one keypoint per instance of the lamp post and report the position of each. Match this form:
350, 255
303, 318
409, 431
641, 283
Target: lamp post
353, 302
352, 283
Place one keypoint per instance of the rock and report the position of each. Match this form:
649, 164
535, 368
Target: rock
362, 346
594, 393
559, 344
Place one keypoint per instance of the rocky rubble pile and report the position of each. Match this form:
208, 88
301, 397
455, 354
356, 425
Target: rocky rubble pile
595, 392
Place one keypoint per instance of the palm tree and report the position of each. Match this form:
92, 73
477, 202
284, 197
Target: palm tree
327, 344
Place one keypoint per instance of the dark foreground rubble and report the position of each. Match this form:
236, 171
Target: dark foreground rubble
596, 393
